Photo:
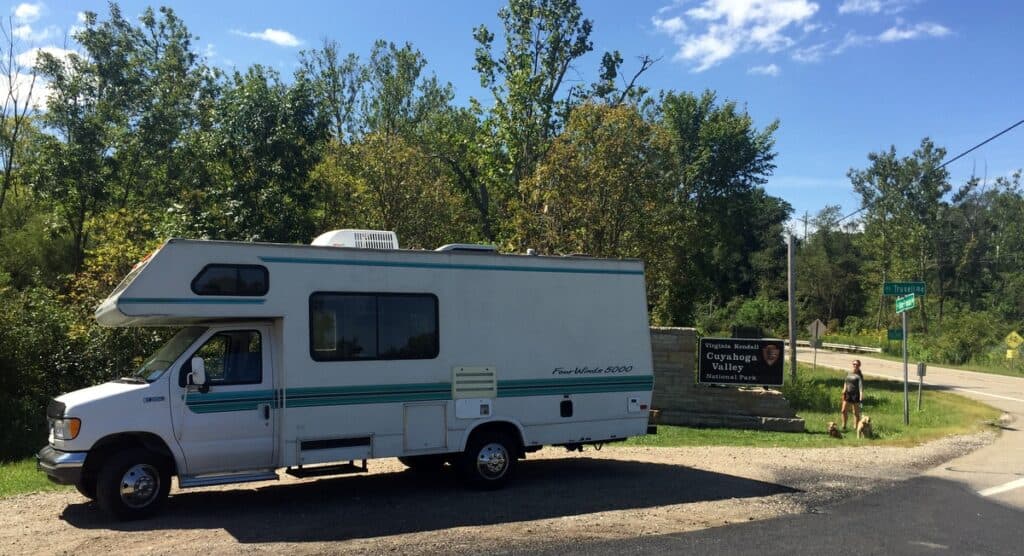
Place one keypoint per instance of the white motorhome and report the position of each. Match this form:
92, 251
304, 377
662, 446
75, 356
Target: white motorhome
317, 358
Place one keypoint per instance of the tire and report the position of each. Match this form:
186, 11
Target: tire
489, 460
144, 478
424, 464
86, 486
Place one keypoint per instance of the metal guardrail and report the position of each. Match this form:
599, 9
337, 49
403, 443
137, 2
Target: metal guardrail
840, 347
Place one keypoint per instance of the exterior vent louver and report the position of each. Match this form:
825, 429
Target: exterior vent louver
474, 382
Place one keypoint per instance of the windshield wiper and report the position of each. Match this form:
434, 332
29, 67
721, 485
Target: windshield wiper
133, 380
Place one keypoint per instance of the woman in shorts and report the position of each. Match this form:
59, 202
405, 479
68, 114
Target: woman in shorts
853, 393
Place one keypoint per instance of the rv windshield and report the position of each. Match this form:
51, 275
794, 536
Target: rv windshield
159, 361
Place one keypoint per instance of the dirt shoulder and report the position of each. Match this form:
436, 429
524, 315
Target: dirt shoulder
556, 498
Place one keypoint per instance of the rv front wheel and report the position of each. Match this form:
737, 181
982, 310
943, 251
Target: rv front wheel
488, 461
132, 484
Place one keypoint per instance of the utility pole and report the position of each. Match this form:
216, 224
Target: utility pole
791, 254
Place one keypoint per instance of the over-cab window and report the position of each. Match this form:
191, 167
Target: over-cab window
231, 279
369, 326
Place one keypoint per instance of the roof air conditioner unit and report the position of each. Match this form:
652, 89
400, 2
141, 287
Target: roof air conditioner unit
362, 239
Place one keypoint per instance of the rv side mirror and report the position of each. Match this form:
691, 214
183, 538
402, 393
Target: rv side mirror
198, 375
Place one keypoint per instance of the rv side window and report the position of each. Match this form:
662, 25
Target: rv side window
231, 279
372, 326
233, 357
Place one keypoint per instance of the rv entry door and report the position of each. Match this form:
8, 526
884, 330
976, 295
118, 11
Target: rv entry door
227, 424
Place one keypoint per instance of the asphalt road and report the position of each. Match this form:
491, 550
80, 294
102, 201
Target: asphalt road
997, 471
971, 505
925, 515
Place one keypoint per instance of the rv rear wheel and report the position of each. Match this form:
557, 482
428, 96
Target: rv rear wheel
427, 464
132, 484
488, 460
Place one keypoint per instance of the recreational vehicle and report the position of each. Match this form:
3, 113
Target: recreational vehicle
314, 359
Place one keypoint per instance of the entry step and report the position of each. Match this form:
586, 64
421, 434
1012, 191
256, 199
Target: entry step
324, 470
188, 481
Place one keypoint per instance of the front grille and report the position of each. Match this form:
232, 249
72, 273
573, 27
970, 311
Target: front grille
55, 410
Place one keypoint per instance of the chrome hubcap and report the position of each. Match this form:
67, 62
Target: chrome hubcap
492, 462
140, 485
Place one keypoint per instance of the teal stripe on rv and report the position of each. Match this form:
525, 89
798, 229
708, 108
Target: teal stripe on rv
398, 393
511, 268
190, 300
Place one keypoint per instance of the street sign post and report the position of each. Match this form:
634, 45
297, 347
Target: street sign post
903, 288
904, 304
816, 328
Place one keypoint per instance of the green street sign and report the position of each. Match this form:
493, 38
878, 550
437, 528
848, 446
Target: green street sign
895, 333
905, 303
903, 288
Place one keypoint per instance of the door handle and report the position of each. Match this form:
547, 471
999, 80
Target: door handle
265, 407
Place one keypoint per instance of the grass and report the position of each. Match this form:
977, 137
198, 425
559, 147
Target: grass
21, 477
891, 350
816, 398
1016, 371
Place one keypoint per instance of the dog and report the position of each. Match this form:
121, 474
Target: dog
864, 428
833, 431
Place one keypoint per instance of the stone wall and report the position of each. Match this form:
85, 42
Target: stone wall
681, 401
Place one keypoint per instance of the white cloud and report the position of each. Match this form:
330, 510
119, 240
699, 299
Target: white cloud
810, 54
28, 58
860, 7
926, 29
669, 26
871, 7
733, 26
23, 32
28, 13
771, 70
851, 40
25, 90
80, 16
276, 36
27, 33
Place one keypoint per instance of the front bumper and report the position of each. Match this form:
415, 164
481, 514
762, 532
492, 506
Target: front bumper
61, 467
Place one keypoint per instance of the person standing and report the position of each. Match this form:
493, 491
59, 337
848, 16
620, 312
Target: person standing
853, 393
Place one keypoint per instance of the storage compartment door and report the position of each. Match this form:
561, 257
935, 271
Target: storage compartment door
425, 427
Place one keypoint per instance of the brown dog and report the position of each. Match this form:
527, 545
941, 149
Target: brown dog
864, 428
833, 431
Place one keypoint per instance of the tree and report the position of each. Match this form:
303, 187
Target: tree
14, 111
602, 188
719, 161
829, 266
902, 198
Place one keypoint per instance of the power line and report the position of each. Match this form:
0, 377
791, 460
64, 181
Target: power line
946, 163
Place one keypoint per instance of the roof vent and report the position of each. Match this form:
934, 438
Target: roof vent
468, 247
362, 239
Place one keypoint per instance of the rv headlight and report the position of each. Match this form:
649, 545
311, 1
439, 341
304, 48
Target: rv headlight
67, 428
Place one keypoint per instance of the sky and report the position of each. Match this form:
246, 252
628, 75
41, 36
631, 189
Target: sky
844, 78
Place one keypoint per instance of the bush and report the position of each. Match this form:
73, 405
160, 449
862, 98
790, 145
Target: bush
770, 315
810, 395
47, 348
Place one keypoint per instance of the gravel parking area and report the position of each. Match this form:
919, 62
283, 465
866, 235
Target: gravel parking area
556, 499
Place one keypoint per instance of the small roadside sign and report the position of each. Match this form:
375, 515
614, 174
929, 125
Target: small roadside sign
1011, 354
895, 334
905, 303
816, 328
1014, 340
903, 288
